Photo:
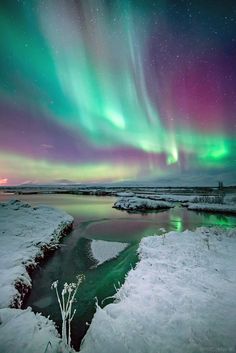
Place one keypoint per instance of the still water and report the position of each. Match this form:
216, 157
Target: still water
94, 218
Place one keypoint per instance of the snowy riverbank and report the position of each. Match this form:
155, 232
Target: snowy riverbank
26, 234
179, 298
26, 332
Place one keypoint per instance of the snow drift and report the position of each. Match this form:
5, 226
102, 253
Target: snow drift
26, 234
179, 298
26, 332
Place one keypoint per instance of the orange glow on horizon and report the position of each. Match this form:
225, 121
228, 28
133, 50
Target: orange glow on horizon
3, 181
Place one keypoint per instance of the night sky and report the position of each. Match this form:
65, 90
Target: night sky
99, 90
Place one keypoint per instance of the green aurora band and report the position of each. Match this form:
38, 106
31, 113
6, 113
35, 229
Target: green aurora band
85, 66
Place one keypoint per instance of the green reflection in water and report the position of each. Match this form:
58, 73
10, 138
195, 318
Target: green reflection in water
177, 221
99, 283
219, 220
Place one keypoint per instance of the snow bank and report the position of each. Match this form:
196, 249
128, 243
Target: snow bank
140, 204
103, 251
26, 233
125, 194
211, 207
179, 298
177, 198
24, 331
168, 197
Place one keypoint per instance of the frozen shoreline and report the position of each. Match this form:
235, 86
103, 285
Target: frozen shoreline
27, 234
179, 298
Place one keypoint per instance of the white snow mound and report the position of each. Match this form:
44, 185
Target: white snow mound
25, 232
140, 204
26, 332
179, 298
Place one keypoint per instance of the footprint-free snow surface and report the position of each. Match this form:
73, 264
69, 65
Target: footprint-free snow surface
140, 204
103, 251
179, 298
25, 233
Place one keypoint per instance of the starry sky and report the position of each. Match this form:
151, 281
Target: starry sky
113, 90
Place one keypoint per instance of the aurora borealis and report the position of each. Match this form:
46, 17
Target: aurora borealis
111, 90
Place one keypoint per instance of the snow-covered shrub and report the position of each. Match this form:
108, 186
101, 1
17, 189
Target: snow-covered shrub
65, 303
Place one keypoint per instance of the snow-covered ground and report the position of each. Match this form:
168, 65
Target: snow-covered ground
125, 194
177, 198
211, 207
140, 204
22, 331
179, 298
26, 234
228, 199
103, 251
169, 197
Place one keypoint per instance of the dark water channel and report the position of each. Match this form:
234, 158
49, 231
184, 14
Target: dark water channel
94, 218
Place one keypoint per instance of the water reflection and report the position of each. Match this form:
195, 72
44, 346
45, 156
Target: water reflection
99, 283
98, 210
218, 219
